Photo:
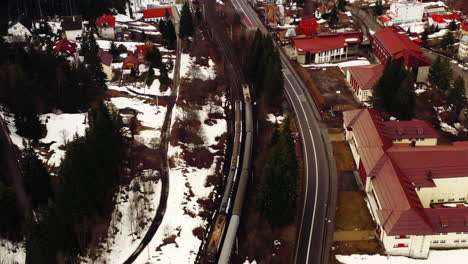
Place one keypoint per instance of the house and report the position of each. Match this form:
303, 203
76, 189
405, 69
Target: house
19, 31
156, 14
363, 78
106, 62
323, 9
65, 47
443, 21
416, 193
106, 26
72, 27
122, 48
390, 42
463, 49
414, 132
464, 28
308, 27
130, 61
327, 48
434, 9
142, 49
403, 12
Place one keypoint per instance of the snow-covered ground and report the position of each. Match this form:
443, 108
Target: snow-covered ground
134, 211
275, 119
358, 61
439, 34
12, 252
190, 69
174, 242
149, 114
459, 256
61, 129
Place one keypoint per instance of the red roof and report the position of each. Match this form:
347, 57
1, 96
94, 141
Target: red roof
384, 18
464, 26
409, 129
65, 46
445, 18
308, 27
105, 56
396, 170
141, 50
105, 21
401, 47
130, 60
321, 43
156, 12
366, 75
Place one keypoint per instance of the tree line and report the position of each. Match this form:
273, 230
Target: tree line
276, 194
35, 79
62, 227
264, 67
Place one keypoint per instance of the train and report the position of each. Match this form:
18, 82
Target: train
230, 193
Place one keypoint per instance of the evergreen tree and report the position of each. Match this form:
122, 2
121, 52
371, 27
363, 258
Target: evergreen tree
10, 222
333, 18
36, 177
198, 14
387, 85
149, 77
425, 35
453, 25
440, 74
164, 77
114, 51
162, 28
456, 95
153, 56
404, 101
448, 40
378, 8
342, 5
186, 23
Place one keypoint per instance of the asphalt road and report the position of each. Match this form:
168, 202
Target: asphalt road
312, 245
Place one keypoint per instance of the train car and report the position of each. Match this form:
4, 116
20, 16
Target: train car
225, 254
246, 93
216, 238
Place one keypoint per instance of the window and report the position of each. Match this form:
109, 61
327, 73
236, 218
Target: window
458, 233
465, 233
463, 240
400, 245
432, 201
435, 241
444, 234
451, 200
418, 189
399, 140
440, 200
462, 199
402, 237
442, 241
422, 139
456, 241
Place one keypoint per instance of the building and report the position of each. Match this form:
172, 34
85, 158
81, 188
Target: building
106, 62
72, 27
156, 14
464, 28
463, 49
65, 47
390, 42
106, 26
403, 12
142, 49
434, 9
363, 78
443, 21
416, 192
130, 61
327, 48
307, 27
19, 31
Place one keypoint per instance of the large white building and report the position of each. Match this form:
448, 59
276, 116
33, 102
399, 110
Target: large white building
416, 189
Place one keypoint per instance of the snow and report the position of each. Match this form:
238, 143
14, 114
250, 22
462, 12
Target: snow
105, 44
122, 18
250, 262
189, 69
10, 122
348, 13
61, 129
11, 252
220, 2
417, 27
351, 39
272, 118
150, 115
359, 61
458, 256
439, 34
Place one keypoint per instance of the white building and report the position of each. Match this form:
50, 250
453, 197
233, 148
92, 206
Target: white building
17, 32
72, 27
416, 190
408, 11
463, 48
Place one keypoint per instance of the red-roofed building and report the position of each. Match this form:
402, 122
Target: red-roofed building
106, 26
307, 27
327, 48
130, 61
390, 42
142, 49
66, 47
156, 14
416, 192
464, 28
443, 21
106, 62
363, 78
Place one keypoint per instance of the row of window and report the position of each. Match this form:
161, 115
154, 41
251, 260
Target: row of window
450, 200
443, 241
458, 233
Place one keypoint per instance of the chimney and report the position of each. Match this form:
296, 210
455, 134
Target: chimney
429, 174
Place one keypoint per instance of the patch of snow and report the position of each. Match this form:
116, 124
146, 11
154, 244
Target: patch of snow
439, 34
351, 39
61, 129
220, 2
11, 252
272, 118
359, 61
449, 129
348, 13
190, 70
458, 256
122, 18
105, 44
250, 262
10, 122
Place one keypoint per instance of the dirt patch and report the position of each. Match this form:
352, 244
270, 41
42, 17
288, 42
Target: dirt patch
198, 157
370, 247
352, 212
343, 156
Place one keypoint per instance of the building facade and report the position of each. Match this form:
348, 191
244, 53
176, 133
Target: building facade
463, 48
363, 78
416, 192
72, 27
106, 26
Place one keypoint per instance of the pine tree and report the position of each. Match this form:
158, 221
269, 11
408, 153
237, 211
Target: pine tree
36, 177
153, 56
198, 14
342, 5
386, 86
333, 18
425, 35
114, 51
378, 8
404, 101
186, 23
448, 40
171, 36
440, 74
453, 25
456, 95
163, 78
149, 77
